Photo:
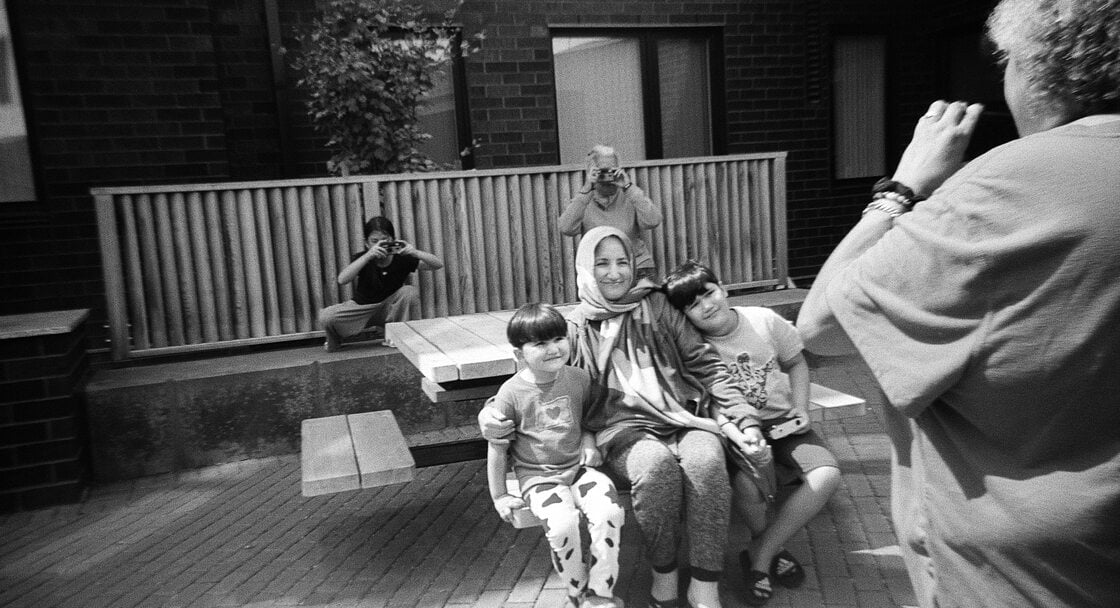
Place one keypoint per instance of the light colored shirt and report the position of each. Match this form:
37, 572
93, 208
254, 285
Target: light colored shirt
990, 315
630, 210
754, 352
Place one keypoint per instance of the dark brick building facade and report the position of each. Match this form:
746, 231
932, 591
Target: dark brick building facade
123, 92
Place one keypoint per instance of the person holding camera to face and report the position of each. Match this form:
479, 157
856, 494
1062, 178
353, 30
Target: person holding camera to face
610, 199
380, 274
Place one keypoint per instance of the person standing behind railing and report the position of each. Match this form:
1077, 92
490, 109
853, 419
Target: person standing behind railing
380, 275
610, 199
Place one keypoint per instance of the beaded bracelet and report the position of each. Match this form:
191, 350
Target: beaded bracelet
887, 206
887, 184
897, 197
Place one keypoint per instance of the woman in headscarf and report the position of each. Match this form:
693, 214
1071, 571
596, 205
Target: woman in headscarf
669, 402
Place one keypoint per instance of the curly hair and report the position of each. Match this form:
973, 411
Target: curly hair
1069, 50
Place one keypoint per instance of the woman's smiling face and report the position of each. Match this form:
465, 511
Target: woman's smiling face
612, 268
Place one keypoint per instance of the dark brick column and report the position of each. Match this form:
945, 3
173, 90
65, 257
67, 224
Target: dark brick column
44, 453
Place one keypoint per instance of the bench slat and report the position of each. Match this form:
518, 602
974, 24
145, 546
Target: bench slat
833, 405
476, 358
463, 390
327, 461
421, 353
487, 327
523, 517
380, 449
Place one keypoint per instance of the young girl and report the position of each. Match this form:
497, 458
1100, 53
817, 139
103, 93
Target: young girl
553, 458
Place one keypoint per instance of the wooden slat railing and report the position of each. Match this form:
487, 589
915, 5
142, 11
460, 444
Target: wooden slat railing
199, 266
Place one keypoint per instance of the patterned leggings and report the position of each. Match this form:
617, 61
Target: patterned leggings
559, 507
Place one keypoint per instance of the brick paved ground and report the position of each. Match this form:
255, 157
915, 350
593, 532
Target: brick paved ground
242, 535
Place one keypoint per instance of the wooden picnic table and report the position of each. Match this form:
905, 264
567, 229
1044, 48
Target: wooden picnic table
467, 357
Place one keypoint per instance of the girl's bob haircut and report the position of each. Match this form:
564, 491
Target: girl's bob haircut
535, 322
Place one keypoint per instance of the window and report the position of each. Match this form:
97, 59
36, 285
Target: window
648, 94
16, 181
859, 105
972, 72
443, 115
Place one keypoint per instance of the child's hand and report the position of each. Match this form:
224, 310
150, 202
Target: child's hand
505, 505
376, 249
406, 248
753, 442
590, 456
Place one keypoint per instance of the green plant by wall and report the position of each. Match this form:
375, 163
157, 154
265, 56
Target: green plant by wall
366, 65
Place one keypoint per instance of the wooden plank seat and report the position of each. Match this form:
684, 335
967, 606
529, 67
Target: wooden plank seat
352, 452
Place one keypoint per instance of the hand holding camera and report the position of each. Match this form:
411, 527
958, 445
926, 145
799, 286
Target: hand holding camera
613, 176
787, 428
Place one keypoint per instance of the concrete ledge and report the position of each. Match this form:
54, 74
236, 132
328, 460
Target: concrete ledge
176, 416
41, 323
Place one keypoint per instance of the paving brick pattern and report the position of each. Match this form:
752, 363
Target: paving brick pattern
242, 535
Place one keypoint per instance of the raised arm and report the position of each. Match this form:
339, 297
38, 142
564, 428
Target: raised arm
649, 216
571, 220
935, 153
350, 272
428, 261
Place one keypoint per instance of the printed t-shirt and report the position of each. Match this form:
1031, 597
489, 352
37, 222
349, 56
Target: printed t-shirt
545, 445
754, 352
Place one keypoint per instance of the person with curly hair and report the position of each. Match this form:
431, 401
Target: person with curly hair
989, 313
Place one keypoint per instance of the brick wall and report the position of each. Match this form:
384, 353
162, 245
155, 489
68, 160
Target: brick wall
44, 458
147, 91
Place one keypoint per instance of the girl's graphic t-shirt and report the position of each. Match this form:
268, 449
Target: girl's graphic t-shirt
545, 446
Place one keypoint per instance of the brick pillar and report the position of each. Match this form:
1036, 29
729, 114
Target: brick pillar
44, 452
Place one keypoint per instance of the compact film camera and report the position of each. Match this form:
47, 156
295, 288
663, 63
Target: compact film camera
786, 428
606, 175
392, 246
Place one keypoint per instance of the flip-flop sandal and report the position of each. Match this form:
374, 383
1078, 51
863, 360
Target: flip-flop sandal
786, 570
759, 590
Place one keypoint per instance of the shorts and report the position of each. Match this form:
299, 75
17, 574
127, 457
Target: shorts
803, 452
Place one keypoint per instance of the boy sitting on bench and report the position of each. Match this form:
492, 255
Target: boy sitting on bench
760, 348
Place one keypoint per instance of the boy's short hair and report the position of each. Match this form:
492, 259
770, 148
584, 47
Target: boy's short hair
380, 224
535, 322
686, 282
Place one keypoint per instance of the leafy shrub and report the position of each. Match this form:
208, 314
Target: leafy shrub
366, 65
